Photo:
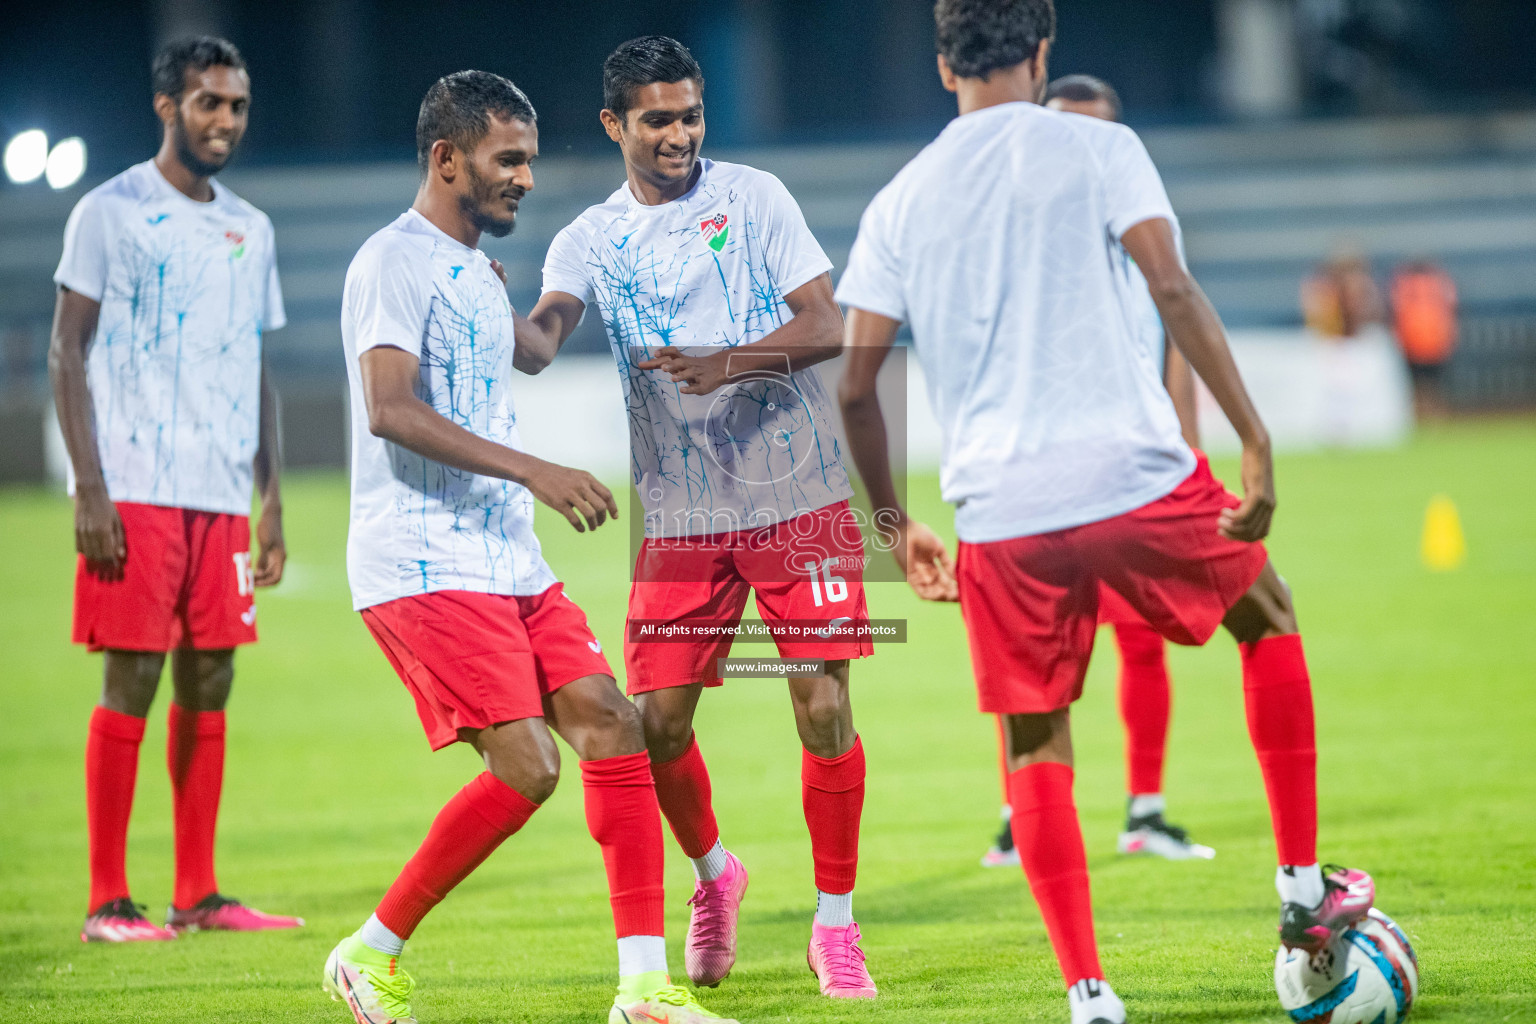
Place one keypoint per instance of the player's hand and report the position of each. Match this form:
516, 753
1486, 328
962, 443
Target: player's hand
703, 374
574, 493
926, 563
271, 552
501, 271
1250, 520
99, 533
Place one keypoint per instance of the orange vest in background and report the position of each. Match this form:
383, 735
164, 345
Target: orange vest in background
1424, 314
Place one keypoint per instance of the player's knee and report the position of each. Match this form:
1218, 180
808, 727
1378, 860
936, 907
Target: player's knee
1039, 737
666, 736
615, 727
1264, 611
129, 681
215, 677
535, 779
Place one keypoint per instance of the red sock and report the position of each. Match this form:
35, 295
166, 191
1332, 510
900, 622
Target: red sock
1050, 845
1143, 705
111, 767
832, 790
682, 789
466, 831
1278, 695
194, 753
621, 815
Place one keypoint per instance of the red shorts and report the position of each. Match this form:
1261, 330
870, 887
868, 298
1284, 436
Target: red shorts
1115, 610
475, 660
1031, 604
805, 571
186, 583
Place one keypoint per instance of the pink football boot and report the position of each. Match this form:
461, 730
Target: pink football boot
838, 962
710, 952
221, 914
1347, 895
120, 921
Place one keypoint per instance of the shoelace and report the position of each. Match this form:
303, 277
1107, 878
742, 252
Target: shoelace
844, 961
709, 898
677, 995
393, 988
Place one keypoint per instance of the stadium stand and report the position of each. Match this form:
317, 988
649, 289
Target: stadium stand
1260, 205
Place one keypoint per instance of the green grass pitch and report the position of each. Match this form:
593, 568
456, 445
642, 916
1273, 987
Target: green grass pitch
1426, 714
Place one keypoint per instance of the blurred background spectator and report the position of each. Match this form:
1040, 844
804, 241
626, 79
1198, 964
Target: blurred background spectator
1424, 320
1340, 299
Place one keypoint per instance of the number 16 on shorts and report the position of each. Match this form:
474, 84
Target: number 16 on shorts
823, 581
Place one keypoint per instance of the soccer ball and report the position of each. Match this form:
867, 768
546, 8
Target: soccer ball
1368, 975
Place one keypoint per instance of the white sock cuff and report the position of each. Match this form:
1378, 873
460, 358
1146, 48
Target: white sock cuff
639, 954
834, 910
710, 866
1143, 804
376, 936
1299, 883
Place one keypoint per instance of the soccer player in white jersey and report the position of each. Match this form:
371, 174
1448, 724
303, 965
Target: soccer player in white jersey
448, 575
717, 300
1144, 688
167, 283
1062, 453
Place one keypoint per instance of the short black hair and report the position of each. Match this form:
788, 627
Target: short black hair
976, 37
459, 106
641, 62
1084, 89
197, 53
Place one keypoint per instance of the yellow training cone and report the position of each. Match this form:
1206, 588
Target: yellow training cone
1444, 546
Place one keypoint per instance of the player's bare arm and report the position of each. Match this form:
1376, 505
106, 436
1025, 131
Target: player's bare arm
917, 549
1179, 379
272, 552
1196, 330
397, 415
813, 335
541, 333
98, 529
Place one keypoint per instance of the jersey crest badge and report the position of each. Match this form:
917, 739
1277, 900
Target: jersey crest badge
715, 230
236, 244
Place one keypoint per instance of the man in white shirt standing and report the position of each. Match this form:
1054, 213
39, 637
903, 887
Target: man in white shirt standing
167, 283
1145, 694
1063, 457
717, 301
449, 577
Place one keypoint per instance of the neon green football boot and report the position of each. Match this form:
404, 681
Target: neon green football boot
651, 998
371, 983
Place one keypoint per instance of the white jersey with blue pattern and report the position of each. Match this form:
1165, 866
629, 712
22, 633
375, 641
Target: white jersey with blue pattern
186, 290
417, 525
708, 270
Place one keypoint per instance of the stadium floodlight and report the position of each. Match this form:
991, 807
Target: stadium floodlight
26, 156
66, 163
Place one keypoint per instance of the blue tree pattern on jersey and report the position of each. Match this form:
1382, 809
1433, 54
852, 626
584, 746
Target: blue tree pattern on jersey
468, 532
174, 368
758, 450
